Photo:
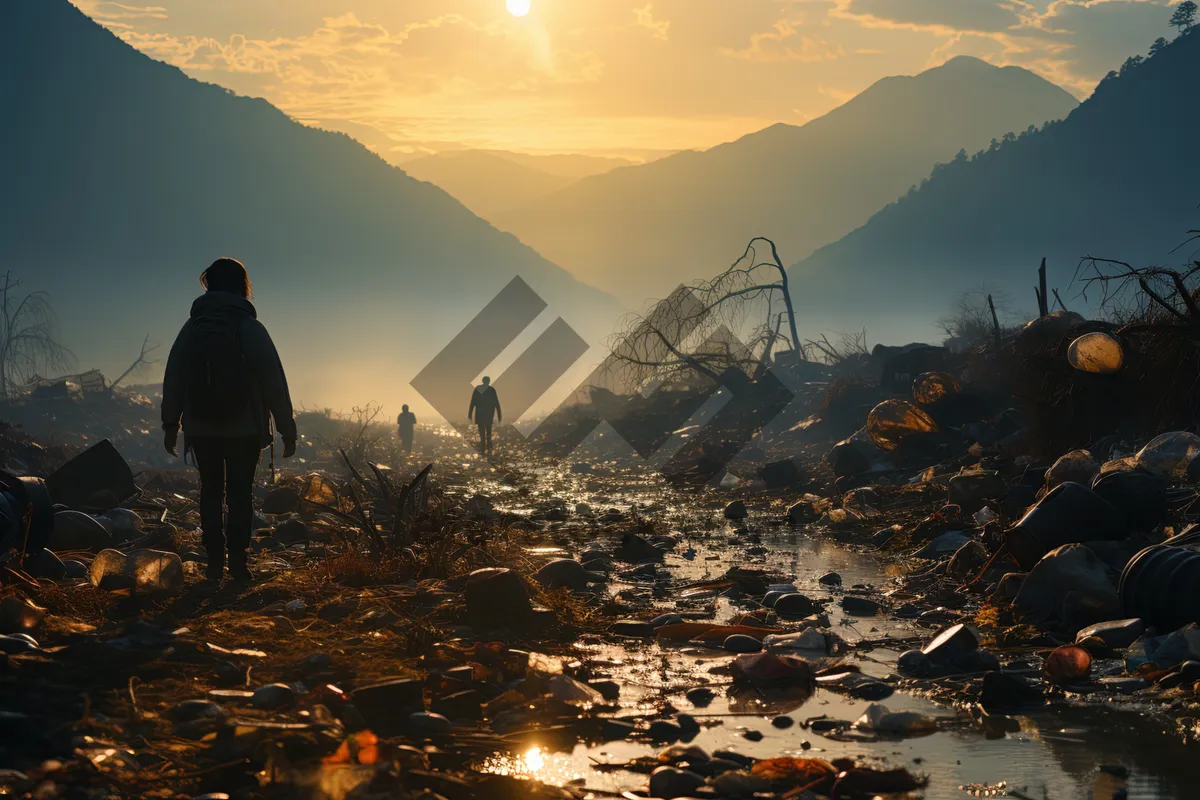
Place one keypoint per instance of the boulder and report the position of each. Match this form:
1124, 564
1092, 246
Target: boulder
967, 560
970, 490
943, 545
795, 605
142, 571
497, 598
481, 506
1077, 466
1071, 570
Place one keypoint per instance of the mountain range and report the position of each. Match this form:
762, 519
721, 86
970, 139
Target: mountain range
1118, 178
490, 182
124, 178
639, 231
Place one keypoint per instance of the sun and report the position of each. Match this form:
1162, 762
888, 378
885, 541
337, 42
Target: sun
518, 8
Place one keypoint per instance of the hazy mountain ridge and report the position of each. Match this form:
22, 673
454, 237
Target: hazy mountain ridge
485, 183
1117, 178
125, 178
643, 229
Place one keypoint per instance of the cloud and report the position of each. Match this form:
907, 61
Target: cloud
108, 11
645, 18
784, 42
984, 16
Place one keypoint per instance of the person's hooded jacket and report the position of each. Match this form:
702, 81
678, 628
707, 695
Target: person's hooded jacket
268, 386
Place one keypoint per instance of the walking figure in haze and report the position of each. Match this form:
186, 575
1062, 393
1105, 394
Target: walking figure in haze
224, 382
405, 423
484, 405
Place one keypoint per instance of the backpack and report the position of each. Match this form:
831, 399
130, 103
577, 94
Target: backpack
218, 378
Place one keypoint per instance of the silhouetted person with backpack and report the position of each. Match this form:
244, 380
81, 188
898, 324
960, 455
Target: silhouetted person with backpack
484, 405
225, 382
405, 423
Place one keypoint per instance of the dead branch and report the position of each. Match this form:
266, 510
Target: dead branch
138, 363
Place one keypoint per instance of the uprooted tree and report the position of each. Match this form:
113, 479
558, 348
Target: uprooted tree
735, 320
28, 336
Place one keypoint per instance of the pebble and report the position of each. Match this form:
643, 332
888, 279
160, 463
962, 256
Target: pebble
736, 510
670, 782
190, 710
688, 724
783, 722
701, 696
914, 664
741, 643
663, 731
752, 736
666, 619
273, 696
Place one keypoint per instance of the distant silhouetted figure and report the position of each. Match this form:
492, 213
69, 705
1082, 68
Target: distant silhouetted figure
224, 381
405, 423
484, 405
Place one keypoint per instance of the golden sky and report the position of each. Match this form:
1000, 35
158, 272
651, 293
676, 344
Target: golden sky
621, 77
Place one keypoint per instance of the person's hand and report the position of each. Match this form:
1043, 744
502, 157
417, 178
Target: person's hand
289, 448
170, 440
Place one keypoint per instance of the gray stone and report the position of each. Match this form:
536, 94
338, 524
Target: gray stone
1118, 633
801, 513
970, 490
795, 605
670, 782
943, 545
967, 560
914, 664
700, 696
736, 510
662, 730
860, 606
1072, 568
740, 643
273, 696
424, 723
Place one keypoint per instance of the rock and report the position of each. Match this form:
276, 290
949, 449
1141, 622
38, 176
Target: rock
1002, 690
190, 710
426, 724
609, 690
950, 644
970, 490
19, 614
497, 598
45, 564
662, 730
281, 500
943, 545
830, 579
801, 513
480, 506
155, 572
740, 643
74, 530
738, 783
1072, 568
783, 722
291, 531
122, 524
636, 550
1174, 648
666, 619
634, 627
736, 510
795, 605
386, 705
690, 727
752, 735
1118, 634
700, 696
1077, 466
615, 730
583, 510
1140, 497
670, 782
566, 573
108, 570
914, 664
860, 606
770, 598
967, 560
273, 696
75, 569
1009, 586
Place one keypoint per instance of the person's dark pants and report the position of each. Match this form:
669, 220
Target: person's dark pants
406, 442
227, 466
485, 437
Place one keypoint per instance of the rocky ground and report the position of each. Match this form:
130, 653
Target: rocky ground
531, 628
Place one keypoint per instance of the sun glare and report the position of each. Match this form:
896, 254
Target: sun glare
518, 8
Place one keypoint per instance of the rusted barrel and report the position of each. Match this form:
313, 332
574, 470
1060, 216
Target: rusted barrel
1161, 584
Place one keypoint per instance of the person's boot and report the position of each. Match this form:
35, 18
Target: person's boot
214, 571
238, 569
